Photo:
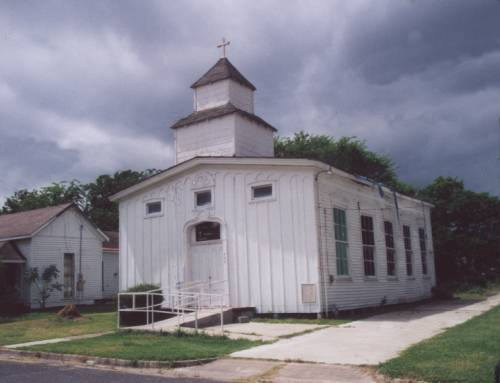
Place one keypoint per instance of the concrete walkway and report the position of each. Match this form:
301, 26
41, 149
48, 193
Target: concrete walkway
56, 340
373, 340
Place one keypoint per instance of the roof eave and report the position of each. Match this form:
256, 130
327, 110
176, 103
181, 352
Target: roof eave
196, 161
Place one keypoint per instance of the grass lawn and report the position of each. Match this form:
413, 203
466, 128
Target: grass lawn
465, 353
323, 322
471, 293
46, 325
151, 346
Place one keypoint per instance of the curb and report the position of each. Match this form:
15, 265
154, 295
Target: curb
102, 361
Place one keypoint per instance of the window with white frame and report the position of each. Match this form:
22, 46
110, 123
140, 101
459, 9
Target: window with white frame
341, 243
203, 198
390, 250
262, 191
423, 249
408, 250
154, 208
368, 239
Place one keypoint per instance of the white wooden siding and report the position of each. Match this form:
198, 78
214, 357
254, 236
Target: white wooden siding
356, 290
271, 246
63, 236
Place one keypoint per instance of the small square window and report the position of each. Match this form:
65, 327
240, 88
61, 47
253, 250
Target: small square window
153, 208
262, 191
203, 198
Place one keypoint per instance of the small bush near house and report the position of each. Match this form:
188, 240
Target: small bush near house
141, 301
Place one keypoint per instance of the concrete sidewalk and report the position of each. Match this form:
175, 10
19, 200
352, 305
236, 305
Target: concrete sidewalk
373, 340
56, 340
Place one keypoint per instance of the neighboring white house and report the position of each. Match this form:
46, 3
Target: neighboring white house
280, 235
110, 265
58, 235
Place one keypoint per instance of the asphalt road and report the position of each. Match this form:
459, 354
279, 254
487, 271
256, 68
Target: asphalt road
13, 372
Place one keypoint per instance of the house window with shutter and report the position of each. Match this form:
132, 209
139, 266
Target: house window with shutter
368, 239
408, 250
341, 244
390, 251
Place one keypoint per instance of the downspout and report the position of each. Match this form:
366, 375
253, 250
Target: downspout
320, 247
81, 282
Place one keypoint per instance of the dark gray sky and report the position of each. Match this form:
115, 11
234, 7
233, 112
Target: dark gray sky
90, 87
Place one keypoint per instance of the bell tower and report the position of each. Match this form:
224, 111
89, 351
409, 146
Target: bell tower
223, 123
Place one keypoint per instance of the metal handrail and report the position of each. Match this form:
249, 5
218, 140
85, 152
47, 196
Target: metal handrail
180, 302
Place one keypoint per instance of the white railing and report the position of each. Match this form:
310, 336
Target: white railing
179, 303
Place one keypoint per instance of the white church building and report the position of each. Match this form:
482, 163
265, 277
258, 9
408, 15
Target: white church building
278, 235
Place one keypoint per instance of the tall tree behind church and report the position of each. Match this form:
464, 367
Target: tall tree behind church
99, 208
92, 198
347, 153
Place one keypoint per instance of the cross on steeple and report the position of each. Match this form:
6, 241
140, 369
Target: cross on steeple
223, 45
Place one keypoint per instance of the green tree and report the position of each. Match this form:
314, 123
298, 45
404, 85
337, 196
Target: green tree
46, 283
466, 231
347, 153
99, 208
54, 194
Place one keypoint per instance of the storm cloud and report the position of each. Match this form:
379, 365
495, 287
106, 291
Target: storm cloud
91, 87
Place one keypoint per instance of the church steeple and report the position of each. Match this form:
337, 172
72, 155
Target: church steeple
222, 70
223, 122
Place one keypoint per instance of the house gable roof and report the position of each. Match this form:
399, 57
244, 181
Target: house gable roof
222, 70
9, 253
219, 111
26, 223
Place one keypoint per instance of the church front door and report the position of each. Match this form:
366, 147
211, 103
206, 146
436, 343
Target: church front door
206, 258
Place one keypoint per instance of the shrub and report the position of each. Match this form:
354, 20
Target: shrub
140, 300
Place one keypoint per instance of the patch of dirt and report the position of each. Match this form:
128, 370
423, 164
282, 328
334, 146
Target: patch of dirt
69, 312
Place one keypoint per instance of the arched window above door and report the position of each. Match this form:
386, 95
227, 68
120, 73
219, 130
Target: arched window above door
207, 231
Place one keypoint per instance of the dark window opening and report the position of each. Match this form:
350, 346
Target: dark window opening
390, 251
423, 250
262, 191
203, 198
153, 207
207, 231
368, 238
408, 250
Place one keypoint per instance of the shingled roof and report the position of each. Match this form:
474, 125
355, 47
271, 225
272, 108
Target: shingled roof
26, 223
222, 70
219, 111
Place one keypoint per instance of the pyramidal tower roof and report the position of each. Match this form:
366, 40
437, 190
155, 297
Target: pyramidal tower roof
222, 70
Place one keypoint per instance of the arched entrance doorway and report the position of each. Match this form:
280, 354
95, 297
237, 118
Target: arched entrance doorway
205, 264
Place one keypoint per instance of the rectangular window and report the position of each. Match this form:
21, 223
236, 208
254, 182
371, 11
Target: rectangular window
423, 250
262, 191
368, 238
203, 198
153, 208
408, 250
207, 231
341, 244
69, 275
390, 251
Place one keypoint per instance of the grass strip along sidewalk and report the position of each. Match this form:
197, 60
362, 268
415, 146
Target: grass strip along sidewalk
47, 325
465, 353
150, 346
